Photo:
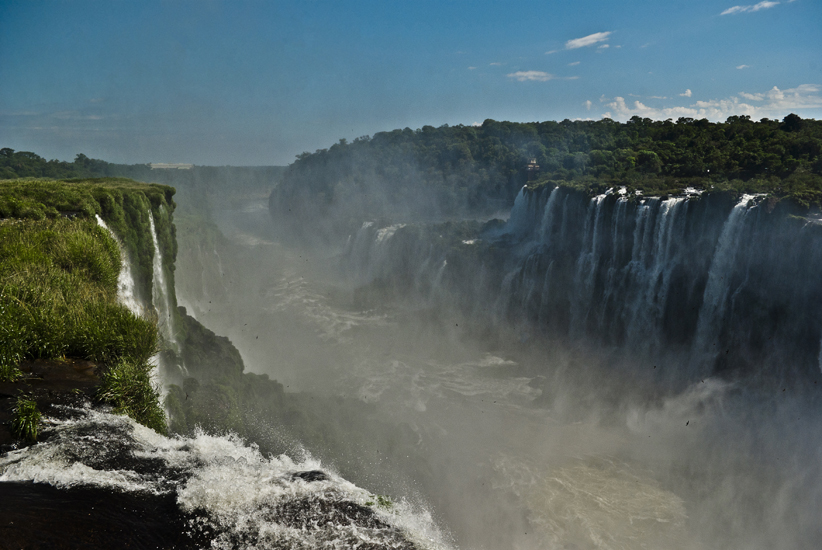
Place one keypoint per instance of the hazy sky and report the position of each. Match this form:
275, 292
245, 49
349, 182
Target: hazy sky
212, 82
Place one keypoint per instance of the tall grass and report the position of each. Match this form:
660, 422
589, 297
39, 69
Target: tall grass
127, 386
26, 421
58, 285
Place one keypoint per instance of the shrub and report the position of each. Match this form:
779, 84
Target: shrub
26, 419
128, 388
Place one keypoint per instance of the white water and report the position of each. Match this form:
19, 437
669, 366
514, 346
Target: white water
227, 484
125, 279
160, 290
715, 299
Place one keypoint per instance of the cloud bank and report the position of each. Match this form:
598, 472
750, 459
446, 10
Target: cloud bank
774, 103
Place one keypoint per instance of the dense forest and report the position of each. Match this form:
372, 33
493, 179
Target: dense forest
456, 170
203, 179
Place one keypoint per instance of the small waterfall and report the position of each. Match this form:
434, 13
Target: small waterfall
520, 220
125, 279
587, 265
649, 272
160, 293
547, 224
715, 298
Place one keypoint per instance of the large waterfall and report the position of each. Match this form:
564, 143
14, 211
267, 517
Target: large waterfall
692, 284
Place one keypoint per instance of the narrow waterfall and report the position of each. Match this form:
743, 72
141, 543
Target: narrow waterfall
160, 291
125, 279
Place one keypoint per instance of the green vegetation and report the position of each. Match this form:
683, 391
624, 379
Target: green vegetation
9, 373
201, 185
58, 281
465, 169
124, 204
26, 421
380, 501
128, 388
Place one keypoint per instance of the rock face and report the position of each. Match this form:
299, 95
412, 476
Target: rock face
207, 355
699, 284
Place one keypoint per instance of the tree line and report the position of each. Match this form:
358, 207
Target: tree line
470, 169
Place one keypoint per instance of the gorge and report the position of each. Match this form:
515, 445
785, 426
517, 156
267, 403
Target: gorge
455, 353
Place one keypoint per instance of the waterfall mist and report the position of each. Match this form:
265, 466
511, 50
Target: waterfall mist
543, 418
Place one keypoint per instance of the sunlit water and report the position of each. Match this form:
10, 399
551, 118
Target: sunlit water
232, 496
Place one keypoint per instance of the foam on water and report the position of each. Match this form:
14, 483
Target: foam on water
242, 498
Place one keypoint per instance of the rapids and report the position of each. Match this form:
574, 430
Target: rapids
227, 494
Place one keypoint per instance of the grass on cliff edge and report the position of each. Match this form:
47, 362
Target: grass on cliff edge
58, 285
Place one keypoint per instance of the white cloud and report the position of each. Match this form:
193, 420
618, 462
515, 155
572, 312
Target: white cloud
495, 64
752, 97
552, 51
589, 40
603, 47
588, 104
774, 103
574, 64
688, 93
476, 124
471, 68
756, 7
522, 76
743, 66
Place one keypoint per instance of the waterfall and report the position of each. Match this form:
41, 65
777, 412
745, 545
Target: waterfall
715, 298
229, 494
521, 220
125, 279
547, 224
160, 293
651, 280
649, 272
587, 265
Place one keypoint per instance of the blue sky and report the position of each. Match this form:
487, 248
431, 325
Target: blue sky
253, 83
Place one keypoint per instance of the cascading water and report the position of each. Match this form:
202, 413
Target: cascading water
658, 279
228, 495
125, 279
716, 296
160, 291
